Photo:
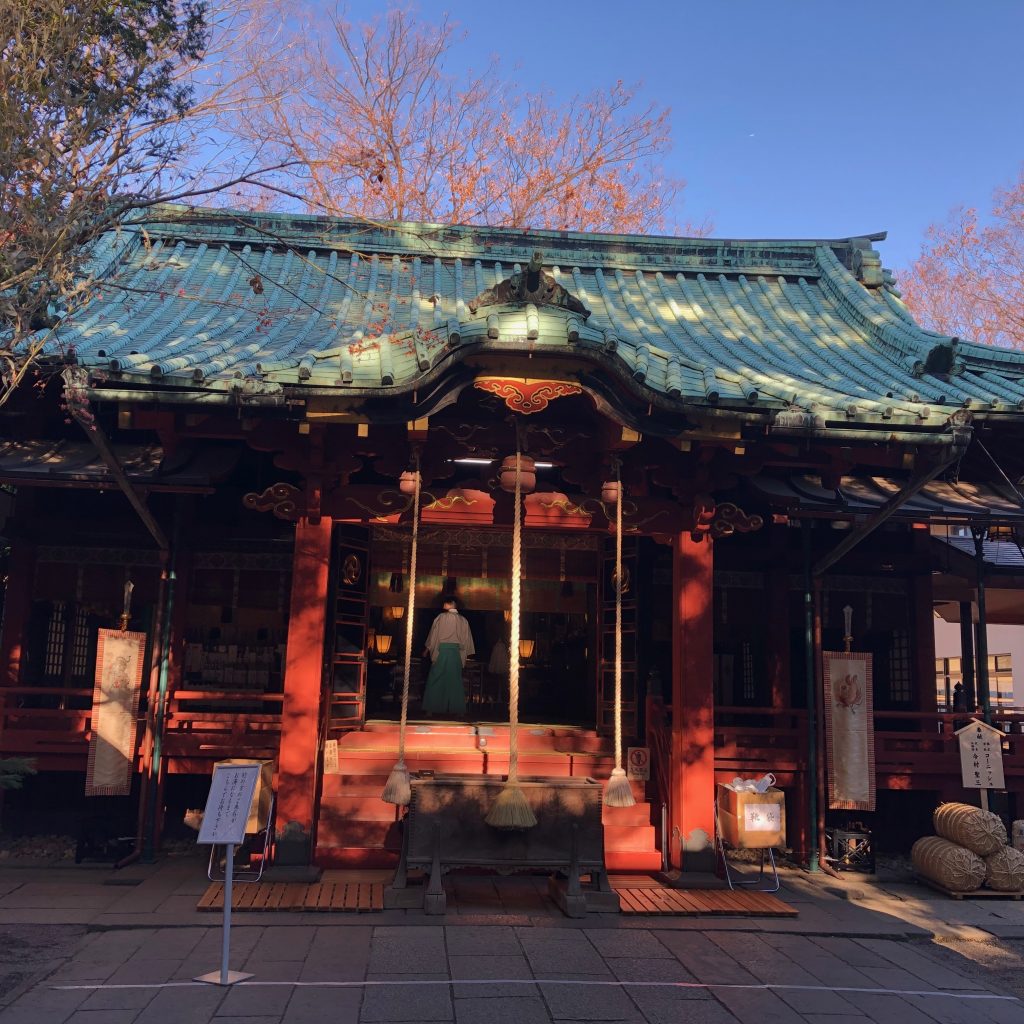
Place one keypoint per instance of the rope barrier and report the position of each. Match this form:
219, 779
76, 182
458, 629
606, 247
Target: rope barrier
398, 790
618, 792
510, 810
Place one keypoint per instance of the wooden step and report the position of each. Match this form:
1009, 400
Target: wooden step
629, 837
428, 737
638, 814
354, 857
632, 860
338, 830
360, 807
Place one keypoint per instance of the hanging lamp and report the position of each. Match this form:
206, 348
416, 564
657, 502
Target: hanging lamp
398, 790
510, 810
618, 792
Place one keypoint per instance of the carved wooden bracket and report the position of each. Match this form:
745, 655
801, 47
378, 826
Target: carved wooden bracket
527, 396
717, 521
283, 500
730, 518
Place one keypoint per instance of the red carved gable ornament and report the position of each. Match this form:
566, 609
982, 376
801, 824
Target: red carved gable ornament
527, 396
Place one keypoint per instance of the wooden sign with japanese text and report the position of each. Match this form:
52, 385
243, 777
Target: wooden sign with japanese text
981, 756
227, 806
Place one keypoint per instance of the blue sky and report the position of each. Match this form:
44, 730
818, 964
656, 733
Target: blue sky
791, 118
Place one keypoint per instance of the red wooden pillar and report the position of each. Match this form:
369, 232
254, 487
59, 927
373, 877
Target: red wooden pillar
17, 608
693, 706
777, 625
300, 718
923, 624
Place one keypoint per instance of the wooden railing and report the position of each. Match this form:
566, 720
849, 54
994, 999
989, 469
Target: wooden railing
751, 741
44, 722
205, 725
52, 724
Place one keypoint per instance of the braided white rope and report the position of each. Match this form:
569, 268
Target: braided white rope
514, 630
410, 612
618, 619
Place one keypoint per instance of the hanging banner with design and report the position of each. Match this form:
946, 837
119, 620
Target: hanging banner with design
120, 660
849, 730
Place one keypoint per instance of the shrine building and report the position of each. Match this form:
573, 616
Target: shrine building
257, 412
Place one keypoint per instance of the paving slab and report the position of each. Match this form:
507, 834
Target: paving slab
504, 1010
591, 1003
675, 1006
407, 1003
404, 950
490, 972
323, 1006
490, 940
567, 952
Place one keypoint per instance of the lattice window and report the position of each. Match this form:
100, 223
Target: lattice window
749, 682
901, 684
80, 645
56, 636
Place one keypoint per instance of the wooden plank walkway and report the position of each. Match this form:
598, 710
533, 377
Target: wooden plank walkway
337, 892
647, 896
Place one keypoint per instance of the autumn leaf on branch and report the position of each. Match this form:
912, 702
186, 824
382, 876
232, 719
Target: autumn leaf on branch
969, 278
381, 126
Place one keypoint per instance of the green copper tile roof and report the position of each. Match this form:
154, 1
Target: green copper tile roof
222, 302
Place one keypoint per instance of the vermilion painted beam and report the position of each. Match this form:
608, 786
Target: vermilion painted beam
304, 660
923, 623
778, 638
693, 706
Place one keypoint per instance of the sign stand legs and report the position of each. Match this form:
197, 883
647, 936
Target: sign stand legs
984, 799
225, 976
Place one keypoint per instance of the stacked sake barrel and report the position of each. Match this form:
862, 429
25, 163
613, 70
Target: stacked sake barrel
970, 850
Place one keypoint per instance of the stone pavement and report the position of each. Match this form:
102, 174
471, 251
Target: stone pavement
869, 960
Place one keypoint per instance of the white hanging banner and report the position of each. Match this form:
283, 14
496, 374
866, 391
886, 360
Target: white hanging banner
120, 661
849, 730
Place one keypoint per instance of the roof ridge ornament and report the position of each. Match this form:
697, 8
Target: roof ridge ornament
532, 285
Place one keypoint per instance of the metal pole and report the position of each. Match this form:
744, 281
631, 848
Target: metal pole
664, 837
812, 716
981, 636
967, 656
160, 711
225, 952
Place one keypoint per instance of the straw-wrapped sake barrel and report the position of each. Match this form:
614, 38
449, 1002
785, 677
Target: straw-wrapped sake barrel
980, 831
951, 866
1004, 870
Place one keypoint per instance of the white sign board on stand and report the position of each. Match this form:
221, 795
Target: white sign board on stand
981, 756
227, 806
224, 821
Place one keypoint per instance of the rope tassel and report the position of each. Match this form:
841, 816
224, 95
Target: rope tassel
618, 792
510, 810
398, 789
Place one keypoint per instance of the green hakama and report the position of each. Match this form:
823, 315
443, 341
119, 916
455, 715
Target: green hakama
444, 693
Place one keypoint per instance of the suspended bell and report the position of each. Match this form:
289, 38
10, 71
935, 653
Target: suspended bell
610, 492
407, 481
527, 474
